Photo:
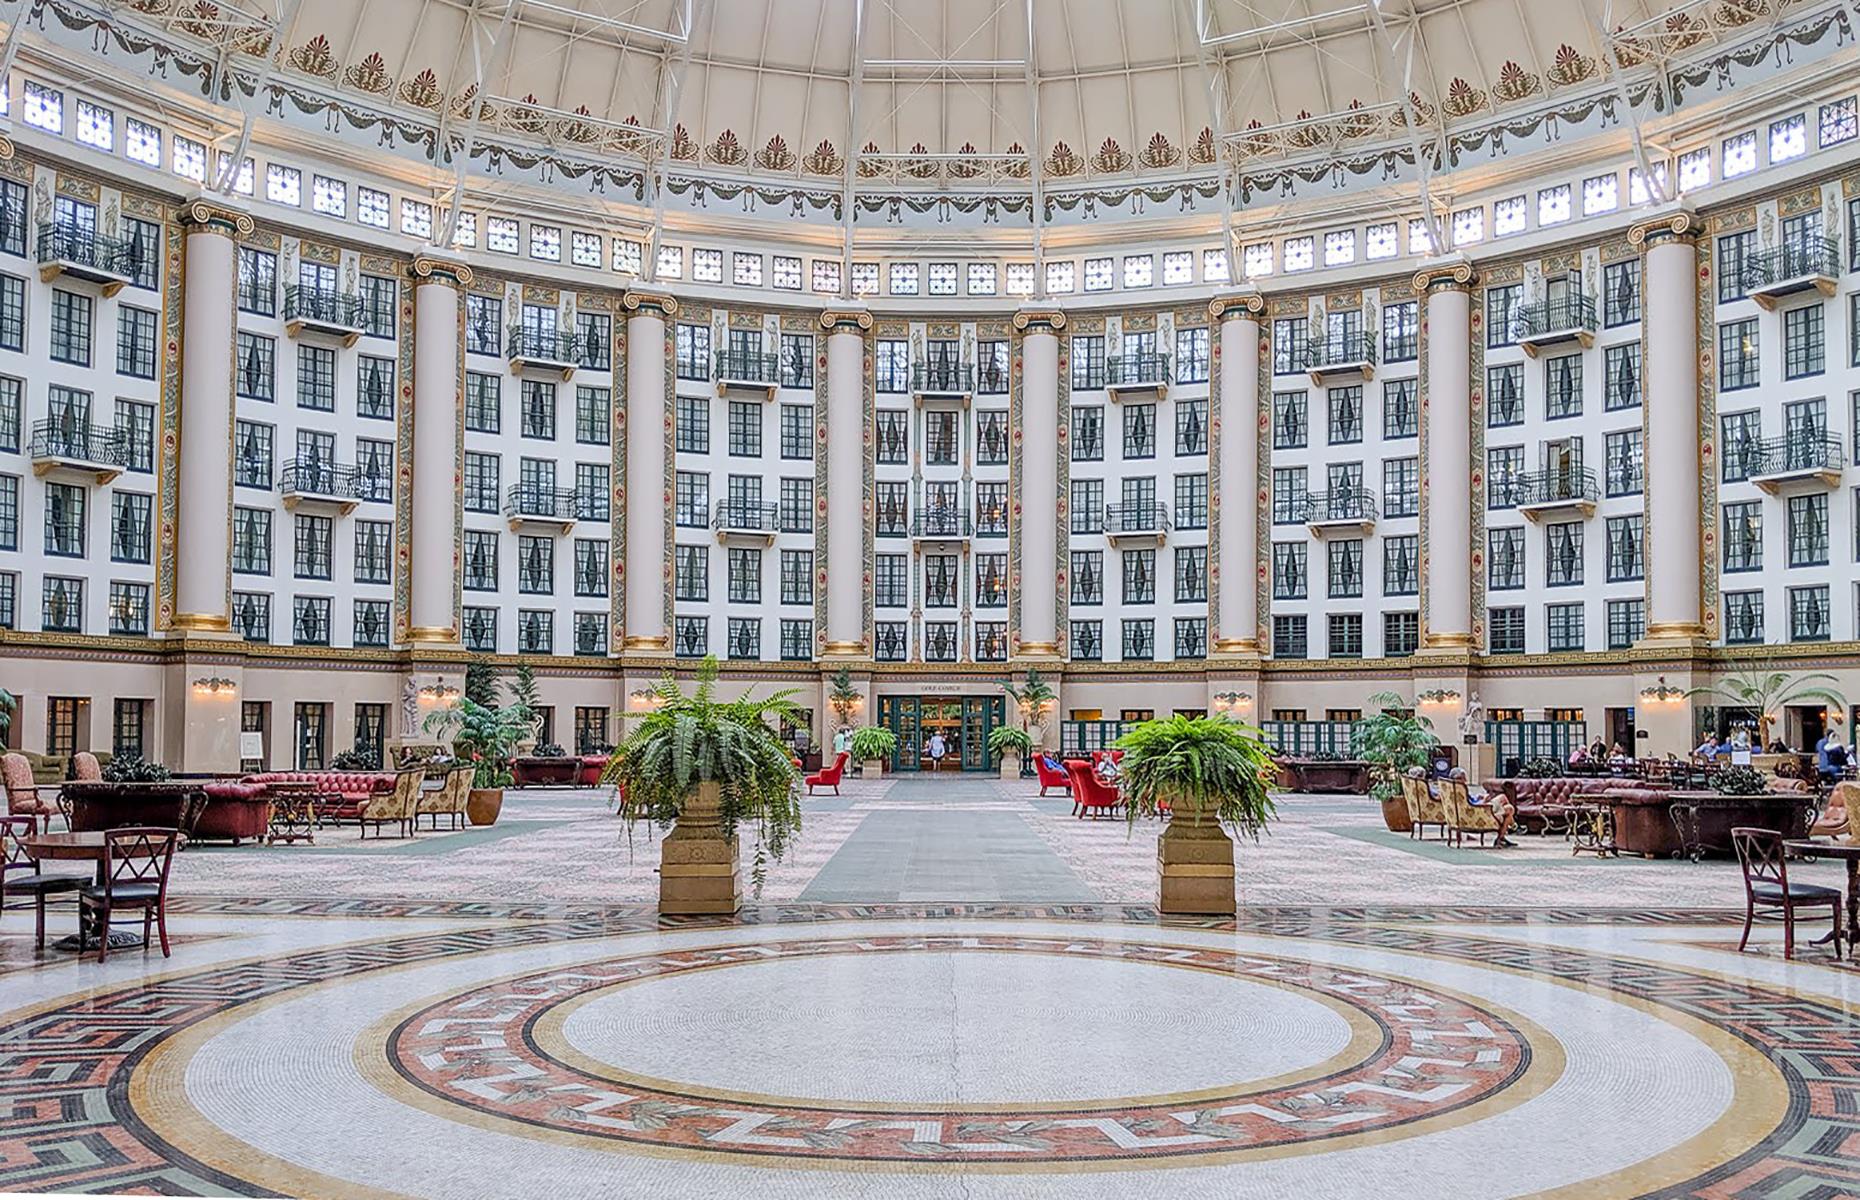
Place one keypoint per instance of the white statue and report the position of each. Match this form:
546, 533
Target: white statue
1472, 720
409, 710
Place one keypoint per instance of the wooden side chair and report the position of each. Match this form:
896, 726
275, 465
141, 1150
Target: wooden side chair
135, 875
20, 874
1766, 885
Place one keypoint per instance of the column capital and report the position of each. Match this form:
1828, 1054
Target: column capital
209, 213
1677, 223
439, 270
637, 299
1453, 273
1052, 319
1246, 304
835, 320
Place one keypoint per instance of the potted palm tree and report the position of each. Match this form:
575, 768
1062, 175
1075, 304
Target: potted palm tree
1035, 698
487, 738
1767, 693
1210, 775
872, 748
1392, 742
1010, 746
706, 767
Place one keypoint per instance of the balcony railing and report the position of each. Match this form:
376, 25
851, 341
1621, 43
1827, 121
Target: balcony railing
79, 444
1565, 487
1352, 350
530, 501
744, 516
1149, 370
1136, 517
1800, 456
1798, 265
73, 250
1562, 319
557, 350
1341, 506
748, 367
941, 523
943, 378
313, 479
322, 309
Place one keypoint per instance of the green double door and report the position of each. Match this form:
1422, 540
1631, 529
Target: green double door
965, 722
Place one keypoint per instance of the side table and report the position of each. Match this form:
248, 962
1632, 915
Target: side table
1592, 830
293, 815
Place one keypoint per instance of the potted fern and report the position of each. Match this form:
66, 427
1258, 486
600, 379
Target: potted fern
1210, 775
1392, 742
707, 767
1011, 747
872, 748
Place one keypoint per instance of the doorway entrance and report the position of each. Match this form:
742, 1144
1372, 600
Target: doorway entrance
965, 722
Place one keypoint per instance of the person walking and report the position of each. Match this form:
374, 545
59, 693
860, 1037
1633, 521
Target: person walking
936, 749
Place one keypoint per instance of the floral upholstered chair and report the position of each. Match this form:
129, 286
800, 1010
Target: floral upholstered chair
24, 797
85, 767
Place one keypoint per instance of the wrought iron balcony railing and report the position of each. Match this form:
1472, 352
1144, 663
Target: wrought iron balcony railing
946, 377
59, 440
1794, 454
1137, 370
941, 523
746, 516
322, 306
1546, 318
86, 249
742, 366
311, 477
556, 347
1136, 516
1340, 504
541, 503
1572, 485
1798, 259
1345, 349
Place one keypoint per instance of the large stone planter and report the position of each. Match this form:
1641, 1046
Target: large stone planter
699, 868
1195, 863
872, 768
1396, 816
1010, 766
482, 805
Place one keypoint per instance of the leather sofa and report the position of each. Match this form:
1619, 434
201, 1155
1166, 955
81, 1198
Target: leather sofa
592, 765
545, 771
351, 788
235, 810
1531, 796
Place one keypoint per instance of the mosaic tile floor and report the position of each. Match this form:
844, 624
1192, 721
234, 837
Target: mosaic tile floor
358, 1027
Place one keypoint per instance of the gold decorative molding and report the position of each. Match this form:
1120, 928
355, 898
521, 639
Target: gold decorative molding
834, 318
6, 148
1237, 646
654, 645
635, 299
1449, 641
439, 270
215, 217
1245, 304
443, 635
1038, 650
201, 622
1452, 276
1681, 227
845, 650
1052, 318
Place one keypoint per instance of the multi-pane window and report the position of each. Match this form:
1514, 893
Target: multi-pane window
1505, 558
1191, 574
745, 428
1401, 332
797, 635
1191, 501
316, 378
1563, 554
9, 512
1625, 558
1087, 640
1627, 623
797, 431
1139, 430
1804, 344
371, 623
71, 327
1504, 469
590, 567
942, 580
691, 573
691, 351
481, 483
1743, 617
593, 416
135, 424
1345, 635
745, 575
1501, 311
891, 581
1401, 487
1621, 371
1504, 395
258, 282
1087, 576
12, 405
1504, 630
1738, 358
1191, 355
889, 497
312, 546
1401, 634
942, 442
892, 365
894, 436
135, 342
129, 526
1088, 362
1740, 441
1625, 471
129, 608
1735, 250
484, 324
478, 629
795, 513
535, 631
1741, 534
1290, 420
1289, 636
537, 409
991, 437
1621, 292
374, 550
1563, 387
1345, 409
1401, 417
1401, 565
991, 509
594, 339
535, 565
480, 557
1191, 637
1087, 433
377, 297
12, 313
1344, 568
593, 493
66, 518
1139, 639
691, 499
251, 548
797, 360
483, 402
1808, 530
693, 425
62, 605
1290, 580
1139, 568
1290, 493
1563, 626
990, 580
1290, 347
1808, 614
255, 373
1191, 427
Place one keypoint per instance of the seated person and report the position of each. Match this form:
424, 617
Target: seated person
1107, 769
1830, 758
1503, 810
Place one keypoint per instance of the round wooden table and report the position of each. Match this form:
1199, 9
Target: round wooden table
79, 847
1848, 852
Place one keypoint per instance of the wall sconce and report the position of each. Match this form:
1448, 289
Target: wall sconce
439, 693
1439, 696
1662, 693
1229, 701
215, 686
643, 698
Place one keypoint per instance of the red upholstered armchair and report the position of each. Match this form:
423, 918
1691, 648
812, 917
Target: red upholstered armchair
1050, 776
1089, 793
829, 776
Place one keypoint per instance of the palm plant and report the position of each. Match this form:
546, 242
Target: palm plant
1200, 767
1034, 698
481, 682
697, 739
843, 698
484, 736
1768, 691
9, 704
1393, 741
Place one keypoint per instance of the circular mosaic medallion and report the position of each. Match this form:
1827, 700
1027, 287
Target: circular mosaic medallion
1044, 1049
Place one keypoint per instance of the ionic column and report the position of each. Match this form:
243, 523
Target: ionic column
1671, 381
1235, 501
845, 509
438, 366
1036, 492
647, 564
203, 533
1448, 496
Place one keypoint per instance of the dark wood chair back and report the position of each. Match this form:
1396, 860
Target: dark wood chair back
13, 834
1760, 853
138, 854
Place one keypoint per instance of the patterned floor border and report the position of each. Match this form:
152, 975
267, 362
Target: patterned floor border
67, 1124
